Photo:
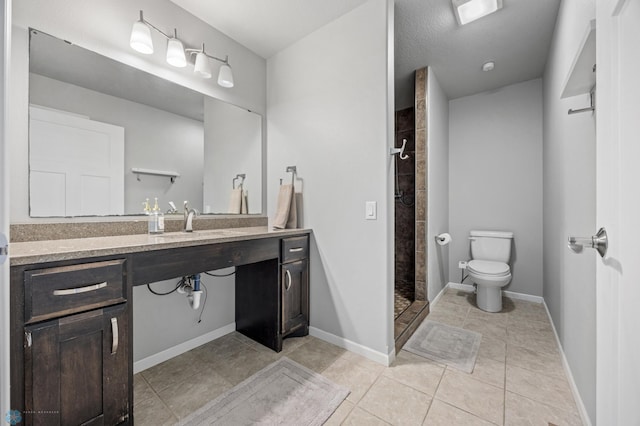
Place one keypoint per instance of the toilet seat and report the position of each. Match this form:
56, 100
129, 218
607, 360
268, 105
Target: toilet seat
488, 268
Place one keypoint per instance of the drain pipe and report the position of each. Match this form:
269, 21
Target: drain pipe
194, 295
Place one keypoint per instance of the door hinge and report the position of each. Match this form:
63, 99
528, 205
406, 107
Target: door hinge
28, 338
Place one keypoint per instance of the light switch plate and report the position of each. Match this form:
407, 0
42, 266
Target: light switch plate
371, 210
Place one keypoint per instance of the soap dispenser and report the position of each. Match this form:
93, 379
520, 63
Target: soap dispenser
156, 220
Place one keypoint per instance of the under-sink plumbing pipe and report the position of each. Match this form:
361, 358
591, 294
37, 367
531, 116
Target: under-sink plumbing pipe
195, 294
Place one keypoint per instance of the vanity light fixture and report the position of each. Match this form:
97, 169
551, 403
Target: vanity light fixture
469, 10
141, 42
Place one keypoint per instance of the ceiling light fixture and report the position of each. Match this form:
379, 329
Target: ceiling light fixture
488, 66
141, 42
469, 10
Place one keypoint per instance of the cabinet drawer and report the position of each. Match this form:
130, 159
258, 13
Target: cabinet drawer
295, 248
54, 292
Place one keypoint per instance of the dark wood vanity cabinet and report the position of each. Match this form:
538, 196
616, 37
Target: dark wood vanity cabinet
76, 355
76, 369
294, 286
272, 297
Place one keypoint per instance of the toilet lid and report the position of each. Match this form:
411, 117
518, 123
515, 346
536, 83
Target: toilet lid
488, 267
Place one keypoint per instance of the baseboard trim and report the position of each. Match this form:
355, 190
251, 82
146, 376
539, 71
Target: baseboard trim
181, 348
379, 357
582, 410
512, 294
436, 299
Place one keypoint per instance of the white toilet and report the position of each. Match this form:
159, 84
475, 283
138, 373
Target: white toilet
489, 269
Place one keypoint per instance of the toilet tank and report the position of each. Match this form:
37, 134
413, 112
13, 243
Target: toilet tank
491, 245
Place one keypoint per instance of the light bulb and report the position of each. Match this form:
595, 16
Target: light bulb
202, 66
140, 40
225, 77
175, 52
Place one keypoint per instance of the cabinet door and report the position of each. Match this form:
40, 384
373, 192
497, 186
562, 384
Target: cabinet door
76, 369
295, 295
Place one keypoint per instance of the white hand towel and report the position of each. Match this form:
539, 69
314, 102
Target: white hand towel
244, 208
292, 220
235, 201
283, 207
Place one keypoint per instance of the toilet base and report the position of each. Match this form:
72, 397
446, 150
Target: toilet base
489, 299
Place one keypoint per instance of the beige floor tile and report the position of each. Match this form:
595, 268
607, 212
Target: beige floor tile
458, 297
478, 315
243, 364
489, 371
530, 311
351, 375
316, 354
527, 324
471, 395
362, 361
141, 389
495, 331
174, 370
523, 411
360, 417
341, 413
448, 318
415, 371
186, 396
495, 349
153, 412
222, 348
535, 340
539, 362
395, 402
444, 305
443, 414
549, 390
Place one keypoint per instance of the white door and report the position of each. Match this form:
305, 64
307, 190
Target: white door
618, 209
76, 165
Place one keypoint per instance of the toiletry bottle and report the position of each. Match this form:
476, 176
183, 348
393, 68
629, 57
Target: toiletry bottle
156, 220
146, 208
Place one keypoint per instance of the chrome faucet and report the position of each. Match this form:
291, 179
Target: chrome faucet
189, 214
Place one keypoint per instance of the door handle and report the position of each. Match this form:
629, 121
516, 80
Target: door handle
4, 248
287, 283
599, 242
114, 334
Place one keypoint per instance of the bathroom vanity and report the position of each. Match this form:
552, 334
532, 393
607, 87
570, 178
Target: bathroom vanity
71, 310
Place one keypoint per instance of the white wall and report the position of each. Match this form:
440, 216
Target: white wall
495, 171
570, 204
153, 139
437, 185
330, 114
104, 27
233, 145
5, 42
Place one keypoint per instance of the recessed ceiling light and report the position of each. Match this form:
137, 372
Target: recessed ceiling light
469, 10
488, 66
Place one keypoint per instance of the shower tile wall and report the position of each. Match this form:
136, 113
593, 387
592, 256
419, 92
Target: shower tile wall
421, 183
405, 211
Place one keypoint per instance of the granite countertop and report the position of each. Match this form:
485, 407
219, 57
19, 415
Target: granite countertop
24, 253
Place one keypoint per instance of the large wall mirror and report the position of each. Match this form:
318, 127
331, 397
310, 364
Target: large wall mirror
104, 137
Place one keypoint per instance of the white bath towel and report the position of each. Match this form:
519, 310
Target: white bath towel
235, 201
285, 195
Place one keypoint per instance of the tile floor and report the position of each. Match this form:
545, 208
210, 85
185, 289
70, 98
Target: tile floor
518, 378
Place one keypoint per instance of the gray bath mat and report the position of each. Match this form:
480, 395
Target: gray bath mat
283, 393
443, 343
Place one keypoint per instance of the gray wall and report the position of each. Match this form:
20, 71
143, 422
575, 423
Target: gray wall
569, 204
437, 185
153, 139
330, 114
495, 172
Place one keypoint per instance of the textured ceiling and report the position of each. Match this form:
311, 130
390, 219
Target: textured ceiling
516, 38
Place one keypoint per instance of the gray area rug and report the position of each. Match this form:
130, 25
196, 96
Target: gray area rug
443, 343
283, 393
